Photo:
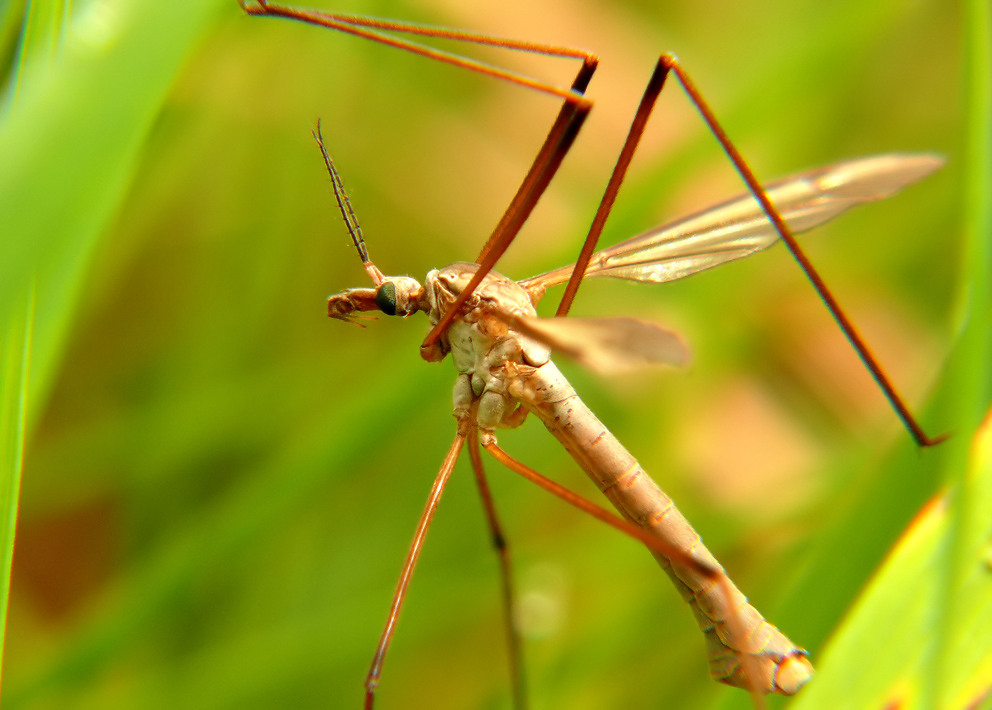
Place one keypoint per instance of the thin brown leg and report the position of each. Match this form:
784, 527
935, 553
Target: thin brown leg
579, 86
545, 165
667, 63
377, 29
600, 513
651, 93
506, 574
375, 671
857, 342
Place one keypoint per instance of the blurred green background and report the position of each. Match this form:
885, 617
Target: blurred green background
220, 484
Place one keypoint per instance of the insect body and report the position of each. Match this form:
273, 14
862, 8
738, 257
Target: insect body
501, 351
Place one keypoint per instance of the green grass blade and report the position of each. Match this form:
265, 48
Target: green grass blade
39, 38
78, 107
921, 611
70, 143
14, 358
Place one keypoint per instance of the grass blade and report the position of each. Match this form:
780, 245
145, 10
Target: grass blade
79, 104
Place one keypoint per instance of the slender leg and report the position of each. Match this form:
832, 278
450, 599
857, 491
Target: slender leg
377, 29
506, 573
375, 671
597, 511
667, 63
650, 96
546, 164
857, 342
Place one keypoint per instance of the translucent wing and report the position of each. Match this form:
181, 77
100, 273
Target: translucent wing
604, 345
738, 228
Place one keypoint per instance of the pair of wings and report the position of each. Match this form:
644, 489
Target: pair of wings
725, 232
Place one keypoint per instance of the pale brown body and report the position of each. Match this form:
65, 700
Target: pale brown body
782, 665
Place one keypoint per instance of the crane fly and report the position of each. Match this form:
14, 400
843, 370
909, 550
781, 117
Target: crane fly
488, 324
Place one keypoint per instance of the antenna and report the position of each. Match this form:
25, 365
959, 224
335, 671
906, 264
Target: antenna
347, 213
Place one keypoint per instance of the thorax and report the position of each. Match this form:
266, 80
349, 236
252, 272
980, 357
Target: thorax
480, 338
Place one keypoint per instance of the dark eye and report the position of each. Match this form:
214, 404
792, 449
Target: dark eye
385, 298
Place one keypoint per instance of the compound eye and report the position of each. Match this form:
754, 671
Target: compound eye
385, 298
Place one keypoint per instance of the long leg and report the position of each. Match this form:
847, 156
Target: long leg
670, 63
440, 481
377, 29
506, 574
549, 158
